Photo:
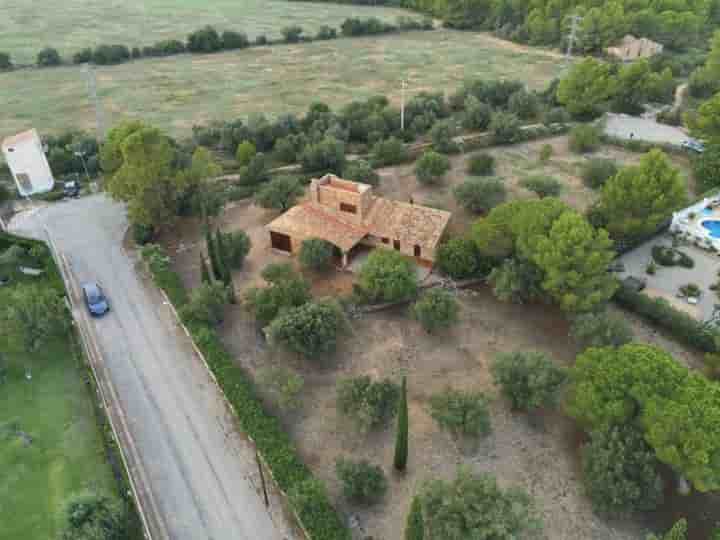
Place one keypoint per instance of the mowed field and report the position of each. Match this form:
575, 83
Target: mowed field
177, 92
28, 26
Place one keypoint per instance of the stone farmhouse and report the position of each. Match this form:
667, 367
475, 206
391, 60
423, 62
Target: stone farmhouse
632, 48
349, 216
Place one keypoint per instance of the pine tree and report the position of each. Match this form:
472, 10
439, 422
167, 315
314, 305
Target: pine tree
210, 244
204, 271
401, 441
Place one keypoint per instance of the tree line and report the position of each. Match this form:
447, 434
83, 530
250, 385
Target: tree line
209, 40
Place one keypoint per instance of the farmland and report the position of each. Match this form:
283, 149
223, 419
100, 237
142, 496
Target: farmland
177, 92
27, 27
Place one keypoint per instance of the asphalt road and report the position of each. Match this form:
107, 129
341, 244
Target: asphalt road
197, 468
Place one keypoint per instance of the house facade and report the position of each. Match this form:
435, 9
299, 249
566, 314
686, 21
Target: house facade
349, 216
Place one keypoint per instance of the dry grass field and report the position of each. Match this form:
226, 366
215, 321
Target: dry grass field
28, 26
176, 92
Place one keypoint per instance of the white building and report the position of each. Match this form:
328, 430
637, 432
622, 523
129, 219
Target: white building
24, 156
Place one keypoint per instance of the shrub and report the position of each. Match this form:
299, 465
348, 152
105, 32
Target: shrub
597, 171
135, 52
584, 138
5, 62
353, 26
546, 152
326, 32
505, 127
205, 40
110, 54
675, 322
89, 516
310, 329
255, 172
601, 329
462, 413
245, 152
316, 254
83, 56
166, 47
459, 259
361, 171
388, 276
477, 114
530, 380
524, 104
706, 167
480, 195
292, 34
361, 481
285, 385
415, 526
237, 245
370, 404
234, 40
436, 309
557, 115
388, 152
279, 193
668, 256
431, 167
286, 289
442, 134
206, 305
327, 155
542, 185
481, 165
620, 471
48, 57
142, 234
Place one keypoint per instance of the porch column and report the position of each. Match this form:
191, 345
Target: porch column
344, 259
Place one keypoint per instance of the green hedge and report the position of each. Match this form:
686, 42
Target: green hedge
672, 321
265, 429
53, 274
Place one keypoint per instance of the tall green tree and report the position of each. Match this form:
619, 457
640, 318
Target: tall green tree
401, 437
415, 526
31, 315
530, 380
138, 161
280, 193
219, 243
632, 87
640, 197
574, 258
706, 166
212, 255
677, 532
464, 414
705, 124
89, 516
586, 88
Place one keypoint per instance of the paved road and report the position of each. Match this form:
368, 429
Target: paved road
197, 467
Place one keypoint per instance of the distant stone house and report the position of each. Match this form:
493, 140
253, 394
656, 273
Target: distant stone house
632, 48
349, 216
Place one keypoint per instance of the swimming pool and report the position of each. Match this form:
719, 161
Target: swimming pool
707, 211
713, 226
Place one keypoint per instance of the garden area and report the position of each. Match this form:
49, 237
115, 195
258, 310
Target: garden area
52, 450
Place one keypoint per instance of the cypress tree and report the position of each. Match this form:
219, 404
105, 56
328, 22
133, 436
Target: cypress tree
210, 244
204, 270
415, 526
401, 440
223, 270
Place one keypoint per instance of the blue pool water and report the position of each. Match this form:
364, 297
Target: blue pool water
707, 211
713, 226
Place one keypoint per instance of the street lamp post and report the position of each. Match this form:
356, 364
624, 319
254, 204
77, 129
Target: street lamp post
81, 155
403, 86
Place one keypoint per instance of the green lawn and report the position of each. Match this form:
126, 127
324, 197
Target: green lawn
27, 26
50, 445
175, 93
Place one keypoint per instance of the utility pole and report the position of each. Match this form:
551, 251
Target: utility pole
81, 155
403, 86
92, 92
574, 20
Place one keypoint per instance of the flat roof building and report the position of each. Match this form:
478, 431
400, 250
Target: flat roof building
28, 165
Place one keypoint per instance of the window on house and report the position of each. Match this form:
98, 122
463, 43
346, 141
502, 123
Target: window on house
385, 240
417, 251
349, 208
396, 244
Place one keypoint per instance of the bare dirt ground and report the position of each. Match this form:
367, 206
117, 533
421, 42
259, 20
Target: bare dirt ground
513, 164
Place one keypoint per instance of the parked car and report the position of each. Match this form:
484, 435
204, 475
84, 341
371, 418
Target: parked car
96, 301
693, 145
71, 189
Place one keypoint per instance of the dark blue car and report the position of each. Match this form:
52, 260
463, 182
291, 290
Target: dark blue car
95, 299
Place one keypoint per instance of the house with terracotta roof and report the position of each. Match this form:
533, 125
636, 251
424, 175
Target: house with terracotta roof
26, 160
349, 216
